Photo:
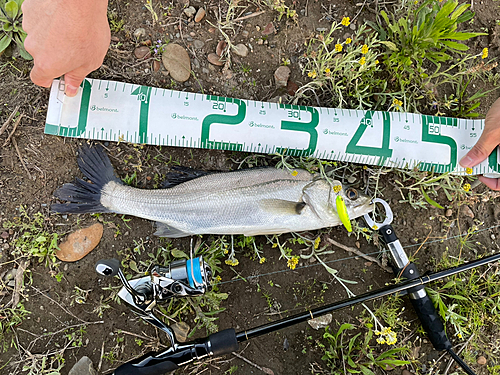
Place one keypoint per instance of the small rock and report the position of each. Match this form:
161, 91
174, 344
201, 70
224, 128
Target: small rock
192, 33
351, 179
260, 41
83, 367
142, 52
190, 11
221, 46
205, 71
466, 211
448, 212
196, 64
245, 33
10, 275
321, 29
214, 59
147, 43
211, 30
406, 372
291, 88
5, 235
368, 264
140, 33
115, 39
281, 76
286, 344
156, 65
176, 60
184, 3
321, 321
358, 245
312, 260
257, 28
481, 360
352, 26
198, 44
80, 243
199, 15
189, 39
241, 50
181, 331
269, 29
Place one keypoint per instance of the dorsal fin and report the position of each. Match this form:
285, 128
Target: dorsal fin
182, 174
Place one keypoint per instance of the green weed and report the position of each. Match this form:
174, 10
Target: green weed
11, 19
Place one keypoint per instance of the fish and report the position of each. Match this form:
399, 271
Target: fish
250, 202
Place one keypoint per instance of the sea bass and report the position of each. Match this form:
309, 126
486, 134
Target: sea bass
249, 202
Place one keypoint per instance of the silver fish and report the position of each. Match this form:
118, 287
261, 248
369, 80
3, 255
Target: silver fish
249, 202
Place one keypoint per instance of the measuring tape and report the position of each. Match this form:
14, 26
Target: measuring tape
125, 112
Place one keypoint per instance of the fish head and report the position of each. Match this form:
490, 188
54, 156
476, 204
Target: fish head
357, 203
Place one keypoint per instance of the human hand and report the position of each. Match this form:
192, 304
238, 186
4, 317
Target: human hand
65, 37
490, 138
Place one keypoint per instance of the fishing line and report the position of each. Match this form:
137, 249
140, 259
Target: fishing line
244, 278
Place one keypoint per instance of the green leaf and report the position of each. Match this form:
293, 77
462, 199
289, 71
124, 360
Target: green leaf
390, 45
11, 8
461, 36
462, 8
366, 370
4, 42
429, 200
455, 45
178, 254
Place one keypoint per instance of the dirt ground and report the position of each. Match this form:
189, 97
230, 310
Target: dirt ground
34, 165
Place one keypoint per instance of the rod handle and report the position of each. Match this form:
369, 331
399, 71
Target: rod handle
431, 321
223, 342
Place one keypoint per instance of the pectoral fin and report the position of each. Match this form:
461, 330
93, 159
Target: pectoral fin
283, 207
164, 230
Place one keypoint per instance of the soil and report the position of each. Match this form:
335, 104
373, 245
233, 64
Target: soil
30, 173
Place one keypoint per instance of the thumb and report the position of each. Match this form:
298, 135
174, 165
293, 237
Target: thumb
481, 150
72, 81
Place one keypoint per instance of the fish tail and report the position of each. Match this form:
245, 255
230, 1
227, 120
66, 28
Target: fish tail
85, 196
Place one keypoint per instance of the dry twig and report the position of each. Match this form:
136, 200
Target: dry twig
13, 130
7, 122
14, 142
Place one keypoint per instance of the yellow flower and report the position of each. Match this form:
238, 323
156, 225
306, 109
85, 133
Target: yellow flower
338, 47
295, 173
337, 188
397, 104
466, 187
312, 74
377, 62
218, 279
316, 242
485, 53
292, 262
346, 21
364, 49
262, 260
348, 41
232, 262
362, 61
415, 2
327, 70
468, 170
274, 245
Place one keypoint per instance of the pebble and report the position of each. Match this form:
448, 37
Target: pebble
257, 28
466, 211
221, 46
406, 372
481, 360
281, 76
176, 60
142, 52
80, 243
189, 39
113, 39
83, 367
205, 71
291, 88
184, 3
269, 29
214, 59
198, 44
320, 322
196, 64
156, 65
5, 235
10, 275
448, 212
260, 41
140, 33
245, 33
286, 344
351, 179
199, 15
321, 29
190, 11
240, 50
177, 35
181, 331
352, 26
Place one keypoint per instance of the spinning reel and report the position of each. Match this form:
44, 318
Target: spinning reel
181, 278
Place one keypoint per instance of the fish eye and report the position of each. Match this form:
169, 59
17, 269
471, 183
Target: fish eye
352, 194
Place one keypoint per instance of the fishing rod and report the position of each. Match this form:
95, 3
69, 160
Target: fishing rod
192, 277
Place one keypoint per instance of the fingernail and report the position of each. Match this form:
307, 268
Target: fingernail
71, 90
467, 162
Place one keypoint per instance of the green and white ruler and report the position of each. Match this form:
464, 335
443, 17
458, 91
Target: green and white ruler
116, 111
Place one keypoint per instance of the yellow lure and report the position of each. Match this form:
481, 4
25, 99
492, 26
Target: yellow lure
342, 211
